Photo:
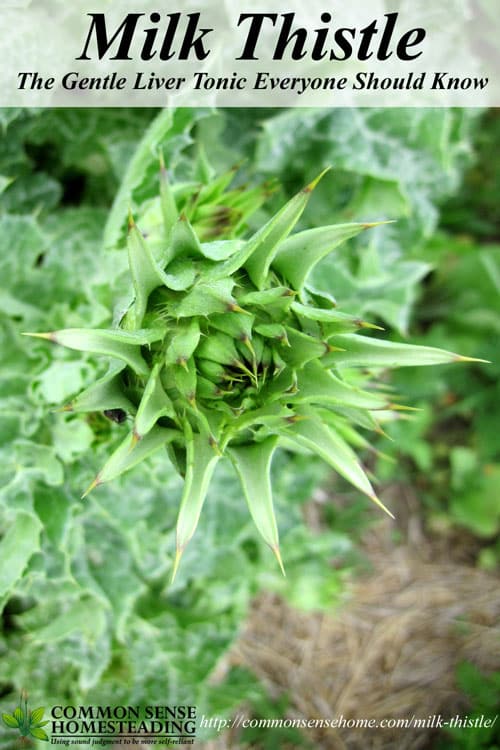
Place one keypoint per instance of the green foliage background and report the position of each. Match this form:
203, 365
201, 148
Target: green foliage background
87, 611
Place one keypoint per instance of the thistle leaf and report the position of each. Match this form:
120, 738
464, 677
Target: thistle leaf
234, 324
265, 248
333, 321
238, 353
207, 389
253, 465
183, 342
267, 296
360, 417
210, 192
247, 202
181, 275
218, 348
154, 404
167, 202
274, 331
211, 370
302, 348
311, 433
316, 385
298, 255
275, 302
265, 241
282, 386
146, 275
271, 415
185, 380
201, 461
362, 351
344, 429
134, 175
105, 393
131, 452
184, 241
205, 299
221, 250
116, 343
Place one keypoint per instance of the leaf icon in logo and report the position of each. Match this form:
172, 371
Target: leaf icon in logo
39, 734
37, 715
10, 721
28, 722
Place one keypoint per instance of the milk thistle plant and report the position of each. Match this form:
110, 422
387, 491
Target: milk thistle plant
226, 350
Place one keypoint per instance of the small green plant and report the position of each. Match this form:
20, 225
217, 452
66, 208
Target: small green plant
226, 350
28, 722
451, 450
483, 692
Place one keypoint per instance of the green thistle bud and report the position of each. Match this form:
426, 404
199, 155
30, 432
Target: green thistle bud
226, 351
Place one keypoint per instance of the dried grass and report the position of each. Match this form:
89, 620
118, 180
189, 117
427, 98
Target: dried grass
391, 652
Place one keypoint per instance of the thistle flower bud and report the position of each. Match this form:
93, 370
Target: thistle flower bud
241, 354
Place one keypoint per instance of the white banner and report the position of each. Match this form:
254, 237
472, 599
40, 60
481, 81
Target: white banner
271, 53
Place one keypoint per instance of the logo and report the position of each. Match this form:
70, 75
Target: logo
28, 722
160, 726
